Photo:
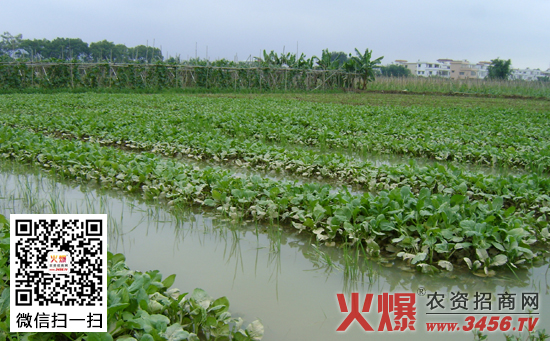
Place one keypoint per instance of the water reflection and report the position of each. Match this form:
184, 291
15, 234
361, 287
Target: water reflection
267, 271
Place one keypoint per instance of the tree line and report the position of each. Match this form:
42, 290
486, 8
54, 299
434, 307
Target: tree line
14, 47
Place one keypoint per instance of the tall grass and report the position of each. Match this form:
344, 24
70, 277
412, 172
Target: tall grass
468, 86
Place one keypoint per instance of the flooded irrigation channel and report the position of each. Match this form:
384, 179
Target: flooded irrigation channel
276, 275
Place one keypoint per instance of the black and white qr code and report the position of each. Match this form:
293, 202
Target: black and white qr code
58, 272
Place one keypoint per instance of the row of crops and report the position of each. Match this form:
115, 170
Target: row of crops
507, 138
436, 215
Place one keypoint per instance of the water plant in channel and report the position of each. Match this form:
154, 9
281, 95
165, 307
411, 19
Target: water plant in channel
431, 229
245, 244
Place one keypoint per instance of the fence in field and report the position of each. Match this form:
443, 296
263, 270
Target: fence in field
154, 76
74, 75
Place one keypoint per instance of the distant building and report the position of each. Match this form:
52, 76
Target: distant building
463, 69
482, 69
527, 74
426, 69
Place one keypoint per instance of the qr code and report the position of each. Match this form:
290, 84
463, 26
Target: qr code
58, 272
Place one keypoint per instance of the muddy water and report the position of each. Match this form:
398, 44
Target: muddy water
267, 272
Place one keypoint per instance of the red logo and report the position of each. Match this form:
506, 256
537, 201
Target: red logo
402, 305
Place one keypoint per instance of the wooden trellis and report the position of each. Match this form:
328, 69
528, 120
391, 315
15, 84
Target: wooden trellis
74, 75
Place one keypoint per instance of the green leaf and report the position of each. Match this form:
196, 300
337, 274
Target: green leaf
462, 188
318, 212
419, 257
209, 202
142, 298
497, 203
175, 333
498, 246
425, 213
93, 336
168, 281
125, 338
447, 234
147, 337
499, 260
223, 302
216, 195
201, 297
405, 192
116, 307
464, 245
509, 211
193, 337
457, 199
468, 224
159, 322
482, 254
4, 301
141, 281
424, 193
518, 233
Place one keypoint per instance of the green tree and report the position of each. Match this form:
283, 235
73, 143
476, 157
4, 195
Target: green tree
10, 44
395, 71
499, 69
67, 48
36, 48
102, 51
121, 53
142, 54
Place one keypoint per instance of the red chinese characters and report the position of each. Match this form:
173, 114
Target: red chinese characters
402, 305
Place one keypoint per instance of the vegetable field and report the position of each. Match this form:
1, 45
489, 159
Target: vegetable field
427, 207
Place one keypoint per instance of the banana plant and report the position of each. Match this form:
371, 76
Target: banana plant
270, 59
294, 62
325, 62
305, 63
365, 66
289, 59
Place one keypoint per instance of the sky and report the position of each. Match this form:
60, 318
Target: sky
412, 30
